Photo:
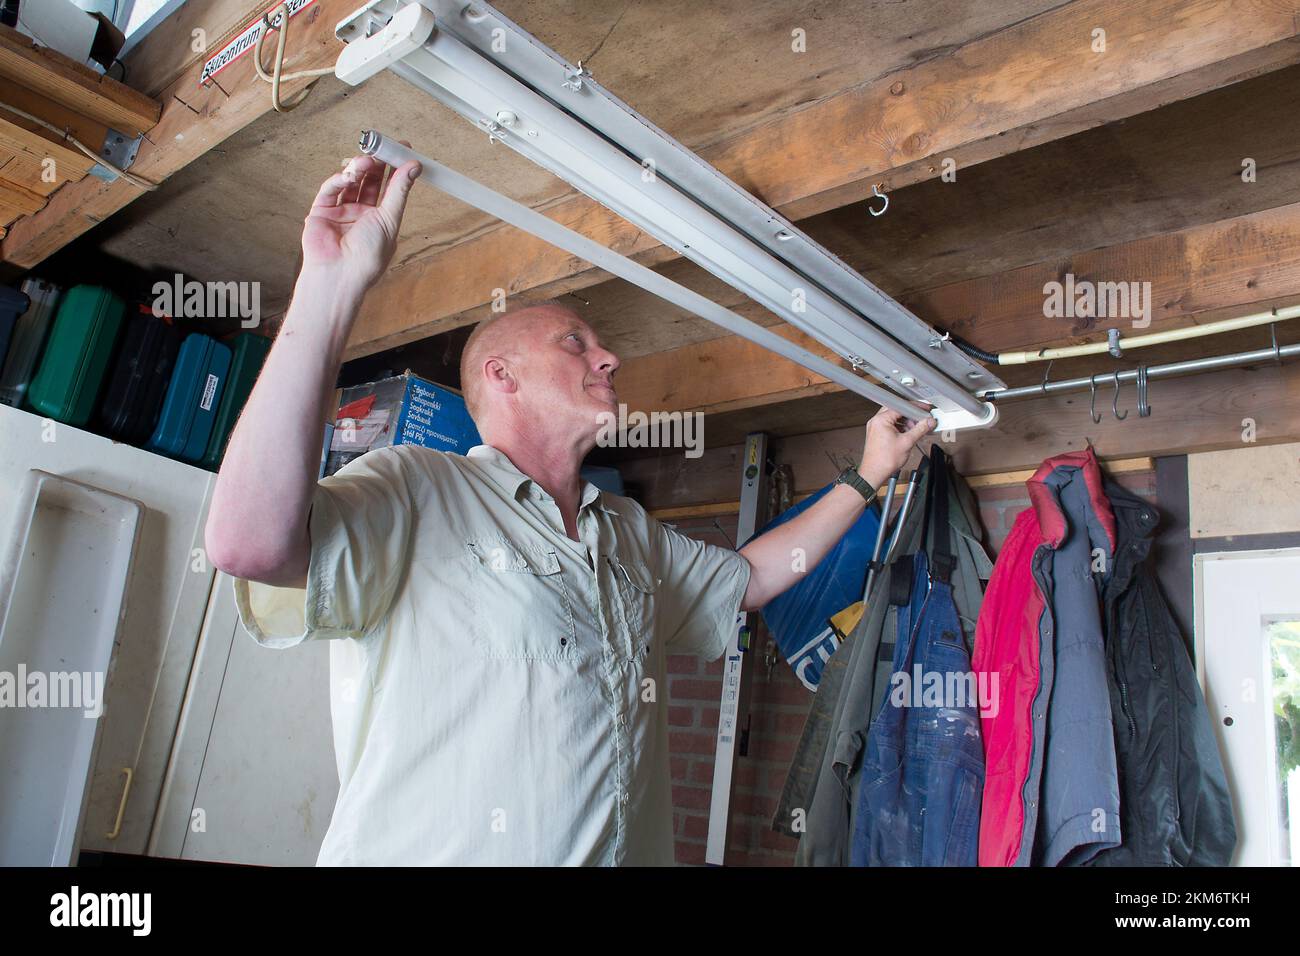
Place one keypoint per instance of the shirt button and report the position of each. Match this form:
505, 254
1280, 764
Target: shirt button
623, 797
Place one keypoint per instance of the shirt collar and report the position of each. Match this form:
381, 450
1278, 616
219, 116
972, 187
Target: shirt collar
500, 467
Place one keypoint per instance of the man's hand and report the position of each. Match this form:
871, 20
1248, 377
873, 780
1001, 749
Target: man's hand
351, 231
889, 444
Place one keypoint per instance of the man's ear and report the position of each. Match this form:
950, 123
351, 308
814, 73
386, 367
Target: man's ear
500, 378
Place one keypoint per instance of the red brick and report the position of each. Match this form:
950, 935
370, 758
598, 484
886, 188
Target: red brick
695, 827
701, 772
684, 742
678, 767
684, 688
753, 804
788, 692
709, 717
691, 798
681, 716
715, 667
687, 664
689, 854
747, 774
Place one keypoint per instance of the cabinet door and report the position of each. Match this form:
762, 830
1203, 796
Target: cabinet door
252, 778
165, 601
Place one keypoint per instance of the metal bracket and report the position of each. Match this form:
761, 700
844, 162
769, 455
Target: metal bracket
119, 149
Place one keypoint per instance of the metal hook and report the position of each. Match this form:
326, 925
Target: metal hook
875, 191
1114, 403
1043, 386
1092, 405
1144, 406
1272, 330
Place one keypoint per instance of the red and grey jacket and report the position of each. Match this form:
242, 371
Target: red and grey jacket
1051, 788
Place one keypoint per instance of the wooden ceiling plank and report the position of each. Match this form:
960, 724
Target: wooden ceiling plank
1195, 413
1236, 264
77, 87
1037, 81
194, 119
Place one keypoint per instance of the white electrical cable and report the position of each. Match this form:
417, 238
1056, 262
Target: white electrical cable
1152, 338
435, 174
276, 77
67, 134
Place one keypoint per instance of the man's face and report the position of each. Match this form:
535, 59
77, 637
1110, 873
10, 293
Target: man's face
566, 375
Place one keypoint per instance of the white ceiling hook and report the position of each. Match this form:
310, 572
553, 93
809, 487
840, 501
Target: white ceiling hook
875, 191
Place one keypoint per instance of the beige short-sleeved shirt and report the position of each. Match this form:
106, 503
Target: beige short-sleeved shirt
499, 692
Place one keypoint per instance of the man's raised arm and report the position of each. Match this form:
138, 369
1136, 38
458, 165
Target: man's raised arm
258, 521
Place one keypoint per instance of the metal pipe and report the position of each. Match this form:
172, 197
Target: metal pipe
1168, 370
885, 507
902, 514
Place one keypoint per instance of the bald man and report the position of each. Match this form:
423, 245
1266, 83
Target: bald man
499, 627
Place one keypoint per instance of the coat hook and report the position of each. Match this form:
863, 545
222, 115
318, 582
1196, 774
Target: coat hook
1048, 372
1144, 406
1092, 405
1114, 403
875, 191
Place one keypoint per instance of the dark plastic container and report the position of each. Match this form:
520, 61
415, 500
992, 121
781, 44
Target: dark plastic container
249, 353
193, 397
138, 383
72, 370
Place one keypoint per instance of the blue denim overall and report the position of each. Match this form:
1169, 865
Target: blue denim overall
923, 767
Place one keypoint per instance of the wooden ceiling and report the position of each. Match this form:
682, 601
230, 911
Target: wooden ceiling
1121, 164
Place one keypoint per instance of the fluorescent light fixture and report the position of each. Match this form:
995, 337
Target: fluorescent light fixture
477, 62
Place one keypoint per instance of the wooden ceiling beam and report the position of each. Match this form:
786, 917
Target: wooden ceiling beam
79, 88
1235, 264
194, 118
1207, 412
1037, 81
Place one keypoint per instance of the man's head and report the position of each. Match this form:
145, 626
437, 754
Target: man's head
538, 367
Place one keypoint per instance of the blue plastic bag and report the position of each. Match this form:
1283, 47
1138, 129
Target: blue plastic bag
799, 619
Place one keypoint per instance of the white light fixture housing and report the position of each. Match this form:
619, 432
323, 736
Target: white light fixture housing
474, 60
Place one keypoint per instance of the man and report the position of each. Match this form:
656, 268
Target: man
500, 627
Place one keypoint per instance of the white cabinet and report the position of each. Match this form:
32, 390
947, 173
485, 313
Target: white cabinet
165, 601
202, 717
253, 777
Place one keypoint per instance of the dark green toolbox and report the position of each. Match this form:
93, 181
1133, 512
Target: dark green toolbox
249, 354
66, 386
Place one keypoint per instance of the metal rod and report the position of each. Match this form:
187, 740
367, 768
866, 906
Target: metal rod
1168, 370
902, 514
885, 507
476, 194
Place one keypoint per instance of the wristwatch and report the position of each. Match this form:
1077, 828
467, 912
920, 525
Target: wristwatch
850, 477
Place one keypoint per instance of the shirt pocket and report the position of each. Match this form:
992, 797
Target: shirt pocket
520, 607
635, 586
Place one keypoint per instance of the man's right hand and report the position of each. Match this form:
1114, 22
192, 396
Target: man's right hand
351, 231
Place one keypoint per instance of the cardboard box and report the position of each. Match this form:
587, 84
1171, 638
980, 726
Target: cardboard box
402, 410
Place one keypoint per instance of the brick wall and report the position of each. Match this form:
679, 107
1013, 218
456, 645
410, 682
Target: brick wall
780, 709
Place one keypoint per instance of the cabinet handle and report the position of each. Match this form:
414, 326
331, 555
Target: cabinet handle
121, 807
